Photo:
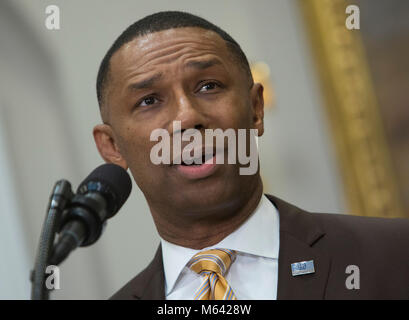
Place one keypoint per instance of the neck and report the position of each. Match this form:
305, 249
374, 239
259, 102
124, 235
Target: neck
212, 227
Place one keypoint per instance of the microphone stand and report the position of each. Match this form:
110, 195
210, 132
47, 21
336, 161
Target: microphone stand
60, 197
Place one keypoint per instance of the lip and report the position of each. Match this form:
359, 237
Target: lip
201, 171
202, 150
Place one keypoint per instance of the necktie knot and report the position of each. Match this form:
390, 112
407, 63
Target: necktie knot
215, 260
213, 265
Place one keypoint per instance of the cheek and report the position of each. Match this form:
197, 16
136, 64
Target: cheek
235, 113
136, 148
134, 145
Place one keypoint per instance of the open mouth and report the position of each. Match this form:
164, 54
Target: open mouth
198, 161
197, 168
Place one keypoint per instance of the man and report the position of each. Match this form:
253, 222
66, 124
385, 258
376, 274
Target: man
174, 66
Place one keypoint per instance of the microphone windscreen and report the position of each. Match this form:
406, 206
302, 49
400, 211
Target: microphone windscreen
112, 181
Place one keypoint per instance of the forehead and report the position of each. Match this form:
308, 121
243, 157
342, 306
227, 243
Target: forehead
164, 47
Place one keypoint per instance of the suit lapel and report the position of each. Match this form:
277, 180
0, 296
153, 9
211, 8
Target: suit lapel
150, 284
299, 233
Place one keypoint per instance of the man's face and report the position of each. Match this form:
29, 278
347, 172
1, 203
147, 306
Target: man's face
187, 75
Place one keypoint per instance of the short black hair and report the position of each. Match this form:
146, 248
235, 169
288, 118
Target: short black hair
163, 21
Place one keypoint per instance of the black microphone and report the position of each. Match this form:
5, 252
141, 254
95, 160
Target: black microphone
98, 198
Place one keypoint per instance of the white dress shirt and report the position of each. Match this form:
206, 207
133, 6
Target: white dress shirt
254, 273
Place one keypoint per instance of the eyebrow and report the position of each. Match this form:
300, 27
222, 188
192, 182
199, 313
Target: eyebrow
203, 64
144, 84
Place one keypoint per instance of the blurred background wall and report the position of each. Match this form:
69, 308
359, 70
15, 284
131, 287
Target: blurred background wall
48, 108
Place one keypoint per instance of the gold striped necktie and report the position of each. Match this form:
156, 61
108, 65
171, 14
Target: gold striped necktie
213, 265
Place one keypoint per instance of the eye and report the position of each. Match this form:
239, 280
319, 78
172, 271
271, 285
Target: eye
209, 86
147, 101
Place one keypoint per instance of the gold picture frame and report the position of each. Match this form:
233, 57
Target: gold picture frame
353, 113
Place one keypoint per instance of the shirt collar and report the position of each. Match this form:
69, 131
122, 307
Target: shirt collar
258, 235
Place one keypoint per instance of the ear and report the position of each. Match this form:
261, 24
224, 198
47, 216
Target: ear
107, 147
257, 103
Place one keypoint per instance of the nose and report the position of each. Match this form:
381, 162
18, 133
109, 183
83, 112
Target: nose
188, 112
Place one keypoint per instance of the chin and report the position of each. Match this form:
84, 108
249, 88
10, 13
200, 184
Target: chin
207, 196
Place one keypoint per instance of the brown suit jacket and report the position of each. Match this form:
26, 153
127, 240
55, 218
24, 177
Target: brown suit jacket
379, 247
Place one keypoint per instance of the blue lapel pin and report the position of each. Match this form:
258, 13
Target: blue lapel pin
302, 267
